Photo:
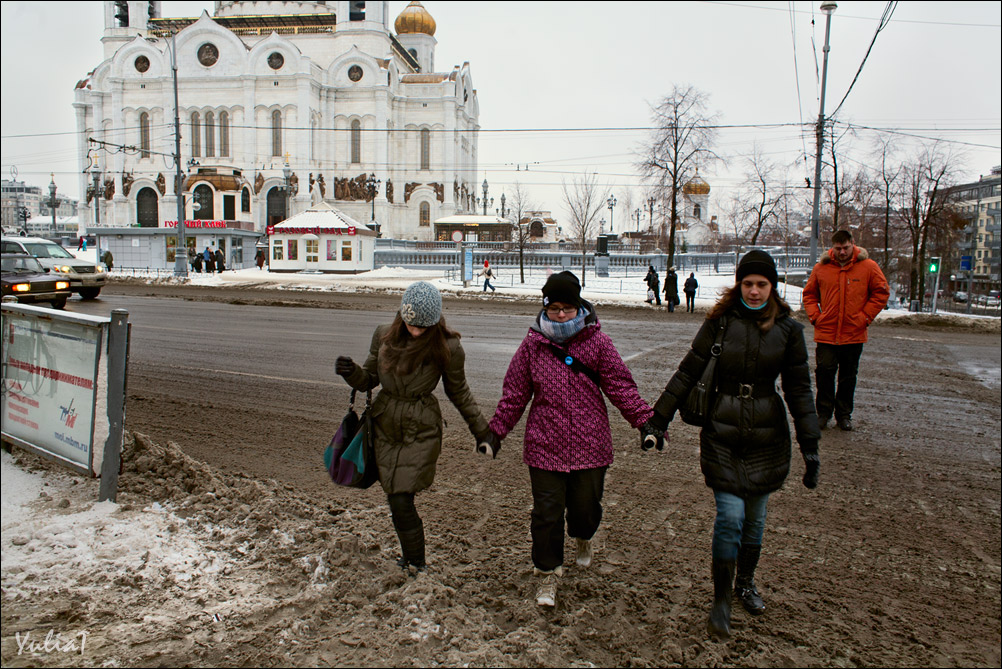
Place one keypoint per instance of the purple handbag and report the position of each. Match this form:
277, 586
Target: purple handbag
350, 458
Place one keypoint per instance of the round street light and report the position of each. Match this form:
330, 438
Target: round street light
612, 203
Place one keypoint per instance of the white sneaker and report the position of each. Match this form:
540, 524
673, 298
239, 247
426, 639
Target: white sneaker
546, 595
585, 552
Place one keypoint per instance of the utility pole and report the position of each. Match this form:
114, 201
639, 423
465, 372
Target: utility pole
828, 6
181, 247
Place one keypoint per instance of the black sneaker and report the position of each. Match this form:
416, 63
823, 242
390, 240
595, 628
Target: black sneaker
845, 424
823, 421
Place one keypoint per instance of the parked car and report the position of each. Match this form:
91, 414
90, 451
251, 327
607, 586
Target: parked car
86, 278
960, 296
987, 301
24, 277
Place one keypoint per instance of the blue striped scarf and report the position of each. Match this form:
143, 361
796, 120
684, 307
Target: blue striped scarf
561, 332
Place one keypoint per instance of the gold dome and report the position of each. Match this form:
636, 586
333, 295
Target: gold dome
696, 186
414, 19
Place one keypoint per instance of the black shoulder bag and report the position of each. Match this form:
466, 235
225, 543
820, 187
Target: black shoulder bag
565, 357
695, 410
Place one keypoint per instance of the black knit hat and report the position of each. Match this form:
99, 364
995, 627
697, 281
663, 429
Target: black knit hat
758, 262
562, 287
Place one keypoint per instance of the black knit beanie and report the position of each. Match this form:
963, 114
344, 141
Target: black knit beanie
562, 287
758, 262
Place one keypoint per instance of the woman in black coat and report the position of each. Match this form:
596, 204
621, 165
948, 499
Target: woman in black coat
745, 443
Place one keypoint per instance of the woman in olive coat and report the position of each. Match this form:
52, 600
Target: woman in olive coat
745, 444
407, 358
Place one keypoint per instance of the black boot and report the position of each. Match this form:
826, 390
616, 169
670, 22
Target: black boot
412, 547
744, 584
719, 624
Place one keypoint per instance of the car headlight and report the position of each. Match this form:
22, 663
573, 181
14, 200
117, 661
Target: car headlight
22, 287
62, 285
65, 269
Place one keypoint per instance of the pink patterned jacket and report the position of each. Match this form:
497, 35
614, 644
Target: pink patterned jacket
568, 425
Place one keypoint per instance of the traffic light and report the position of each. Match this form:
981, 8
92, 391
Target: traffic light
934, 264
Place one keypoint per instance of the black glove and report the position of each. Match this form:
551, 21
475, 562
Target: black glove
344, 366
652, 436
812, 467
489, 444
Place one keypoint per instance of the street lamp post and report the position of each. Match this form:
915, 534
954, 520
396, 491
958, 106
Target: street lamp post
181, 243
612, 203
484, 200
372, 184
287, 173
828, 6
52, 201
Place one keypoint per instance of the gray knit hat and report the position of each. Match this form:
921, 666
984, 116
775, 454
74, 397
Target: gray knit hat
421, 305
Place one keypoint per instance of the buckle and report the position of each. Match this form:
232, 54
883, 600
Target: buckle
745, 390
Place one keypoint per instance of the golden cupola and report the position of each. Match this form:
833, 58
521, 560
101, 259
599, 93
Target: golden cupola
696, 186
415, 19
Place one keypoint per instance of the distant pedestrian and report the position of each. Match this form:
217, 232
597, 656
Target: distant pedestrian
689, 288
487, 273
108, 259
220, 261
210, 260
80, 243
744, 446
653, 285
671, 289
259, 258
845, 293
196, 262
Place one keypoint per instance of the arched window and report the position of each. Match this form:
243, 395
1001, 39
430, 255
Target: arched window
196, 135
203, 205
224, 134
210, 134
144, 135
536, 229
275, 201
356, 141
276, 133
147, 211
425, 149
697, 212
425, 214
245, 199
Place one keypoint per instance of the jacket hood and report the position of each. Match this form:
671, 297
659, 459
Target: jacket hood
861, 254
590, 320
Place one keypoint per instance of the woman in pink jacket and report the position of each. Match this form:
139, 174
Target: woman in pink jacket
563, 365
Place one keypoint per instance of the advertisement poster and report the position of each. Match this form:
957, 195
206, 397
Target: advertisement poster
468, 264
48, 393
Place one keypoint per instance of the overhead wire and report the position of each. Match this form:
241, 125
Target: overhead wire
884, 20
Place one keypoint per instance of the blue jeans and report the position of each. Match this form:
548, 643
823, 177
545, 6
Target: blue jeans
740, 520
487, 284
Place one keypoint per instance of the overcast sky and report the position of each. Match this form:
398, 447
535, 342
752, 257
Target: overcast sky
934, 72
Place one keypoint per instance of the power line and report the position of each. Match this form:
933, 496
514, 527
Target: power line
884, 20
862, 18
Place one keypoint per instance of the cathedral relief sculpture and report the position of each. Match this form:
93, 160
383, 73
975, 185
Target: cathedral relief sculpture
389, 191
294, 184
439, 191
109, 189
322, 186
258, 183
161, 183
127, 184
352, 189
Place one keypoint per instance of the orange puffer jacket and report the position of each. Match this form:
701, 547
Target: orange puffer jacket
842, 301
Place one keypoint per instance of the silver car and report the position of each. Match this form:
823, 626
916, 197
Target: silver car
85, 277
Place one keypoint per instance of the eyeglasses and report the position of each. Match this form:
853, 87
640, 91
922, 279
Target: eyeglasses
553, 311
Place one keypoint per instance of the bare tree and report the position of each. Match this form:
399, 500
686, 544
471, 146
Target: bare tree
926, 182
761, 197
519, 206
584, 202
840, 191
681, 142
888, 181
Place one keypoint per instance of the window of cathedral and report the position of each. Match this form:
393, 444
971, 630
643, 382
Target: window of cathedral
196, 135
204, 205
276, 133
208, 54
210, 134
276, 60
425, 215
697, 211
144, 135
245, 199
224, 134
355, 73
425, 149
142, 64
356, 141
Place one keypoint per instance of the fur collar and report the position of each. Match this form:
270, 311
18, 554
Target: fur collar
861, 254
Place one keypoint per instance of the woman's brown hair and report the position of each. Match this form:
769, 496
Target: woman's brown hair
768, 315
403, 353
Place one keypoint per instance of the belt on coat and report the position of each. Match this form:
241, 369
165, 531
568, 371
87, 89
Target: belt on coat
747, 390
403, 398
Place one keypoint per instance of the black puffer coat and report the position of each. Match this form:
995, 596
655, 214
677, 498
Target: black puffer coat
745, 447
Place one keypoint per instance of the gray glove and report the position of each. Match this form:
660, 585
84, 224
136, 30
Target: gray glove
489, 444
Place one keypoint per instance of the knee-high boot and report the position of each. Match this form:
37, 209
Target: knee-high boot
412, 546
744, 583
719, 624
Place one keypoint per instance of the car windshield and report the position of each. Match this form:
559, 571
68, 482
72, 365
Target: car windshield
22, 265
47, 250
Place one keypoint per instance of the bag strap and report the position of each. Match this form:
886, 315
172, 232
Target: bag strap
564, 356
351, 399
719, 340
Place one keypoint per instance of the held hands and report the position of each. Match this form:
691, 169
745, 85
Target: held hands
812, 467
344, 366
652, 436
489, 444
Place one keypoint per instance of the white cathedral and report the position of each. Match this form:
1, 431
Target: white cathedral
282, 105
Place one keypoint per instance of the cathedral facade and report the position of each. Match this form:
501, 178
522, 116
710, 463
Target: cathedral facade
281, 105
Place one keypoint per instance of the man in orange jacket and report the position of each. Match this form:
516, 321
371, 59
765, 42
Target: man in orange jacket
845, 293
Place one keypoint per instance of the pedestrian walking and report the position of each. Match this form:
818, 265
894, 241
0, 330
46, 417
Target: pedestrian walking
653, 285
671, 289
745, 443
689, 288
108, 259
196, 262
220, 261
563, 366
844, 294
259, 258
487, 273
406, 359
209, 259
80, 243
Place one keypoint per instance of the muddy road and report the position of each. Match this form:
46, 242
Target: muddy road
893, 560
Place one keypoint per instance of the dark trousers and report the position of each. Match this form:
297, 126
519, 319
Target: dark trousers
579, 495
841, 360
690, 302
410, 529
